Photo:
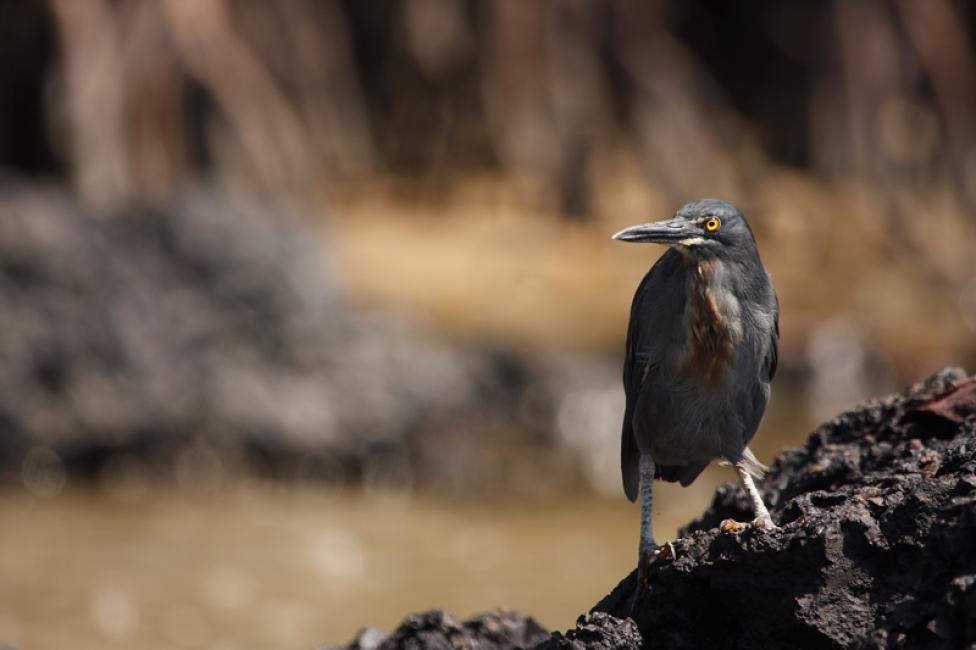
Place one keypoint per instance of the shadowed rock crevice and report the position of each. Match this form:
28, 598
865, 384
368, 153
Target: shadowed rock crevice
875, 549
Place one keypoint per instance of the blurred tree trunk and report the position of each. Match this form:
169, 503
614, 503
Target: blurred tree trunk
870, 74
677, 117
881, 129
282, 121
946, 52
155, 97
517, 104
266, 131
578, 92
92, 76
543, 94
306, 46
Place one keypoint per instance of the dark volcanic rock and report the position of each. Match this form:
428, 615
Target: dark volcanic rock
596, 631
498, 630
876, 546
439, 630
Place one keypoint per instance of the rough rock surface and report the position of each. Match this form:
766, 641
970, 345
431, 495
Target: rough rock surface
876, 546
439, 630
596, 631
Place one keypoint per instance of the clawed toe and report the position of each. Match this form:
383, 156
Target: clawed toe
648, 558
665, 552
731, 526
763, 523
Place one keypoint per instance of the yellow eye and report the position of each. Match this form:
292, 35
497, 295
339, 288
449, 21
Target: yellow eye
712, 224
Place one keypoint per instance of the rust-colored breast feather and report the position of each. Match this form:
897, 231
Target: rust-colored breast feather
710, 343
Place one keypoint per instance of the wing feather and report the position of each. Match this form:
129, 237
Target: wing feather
635, 369
772, 358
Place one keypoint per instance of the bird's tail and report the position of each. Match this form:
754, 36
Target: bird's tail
752, 465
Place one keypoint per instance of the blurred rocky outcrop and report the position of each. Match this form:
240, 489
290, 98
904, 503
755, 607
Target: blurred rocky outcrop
877, 517
200, 333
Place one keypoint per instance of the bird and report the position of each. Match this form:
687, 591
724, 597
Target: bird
702, 350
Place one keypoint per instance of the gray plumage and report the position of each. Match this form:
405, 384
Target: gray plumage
701, 351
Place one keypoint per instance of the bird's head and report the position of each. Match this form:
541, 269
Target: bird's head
705, 228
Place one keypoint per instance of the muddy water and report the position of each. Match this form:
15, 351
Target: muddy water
270, 567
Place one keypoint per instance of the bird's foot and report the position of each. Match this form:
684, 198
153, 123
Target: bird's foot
648, 558
764, 523
731, 526
665, 552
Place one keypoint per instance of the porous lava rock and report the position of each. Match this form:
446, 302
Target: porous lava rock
596, 631
438, 630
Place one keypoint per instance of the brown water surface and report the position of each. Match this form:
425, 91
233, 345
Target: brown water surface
262, 566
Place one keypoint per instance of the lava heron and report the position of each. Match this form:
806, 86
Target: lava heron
701, 353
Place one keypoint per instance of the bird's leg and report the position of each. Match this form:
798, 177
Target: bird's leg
762, 520
647, 545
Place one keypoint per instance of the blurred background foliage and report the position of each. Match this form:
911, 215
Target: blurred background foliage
363, 247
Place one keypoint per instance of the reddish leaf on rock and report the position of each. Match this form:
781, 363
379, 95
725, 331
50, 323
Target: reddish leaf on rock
955, 406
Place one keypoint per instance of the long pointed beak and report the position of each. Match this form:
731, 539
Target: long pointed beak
658, 232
